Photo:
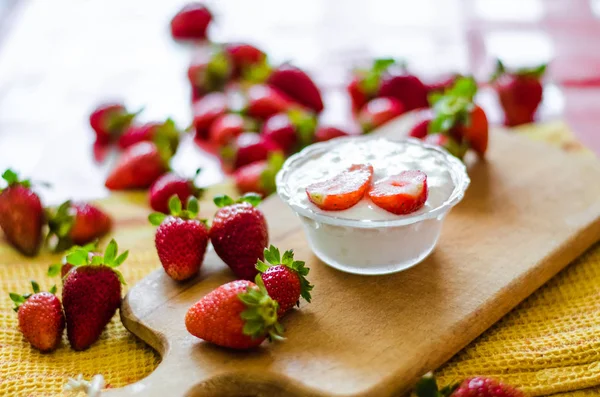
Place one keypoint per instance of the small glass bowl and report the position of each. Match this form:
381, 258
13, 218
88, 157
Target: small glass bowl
372, 247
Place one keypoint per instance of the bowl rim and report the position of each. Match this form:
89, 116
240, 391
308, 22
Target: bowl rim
456, 167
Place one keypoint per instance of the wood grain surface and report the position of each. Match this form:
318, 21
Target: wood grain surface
530, 210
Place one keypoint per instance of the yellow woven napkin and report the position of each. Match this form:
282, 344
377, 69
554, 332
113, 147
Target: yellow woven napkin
547, 345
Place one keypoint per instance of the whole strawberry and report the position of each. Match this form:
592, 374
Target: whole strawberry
76, 224
157, 132
172, 184
191, 22
91, 294
259, 177
109, 121
473, 387
41, 318
284, 279
237, 315
139, 166
21, 214
520, 92
180, 239
296, 84
239, 233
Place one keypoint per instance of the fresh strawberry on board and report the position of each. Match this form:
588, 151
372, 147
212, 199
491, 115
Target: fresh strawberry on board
76, 223
244, 57
206, 110
247, 148
21, 214
41, 318
520, 92
342, 191
139, 166
401, 194
208, 73
326, 132
291, 130
259, 177
226, 127
171, 184
456, 149
365, 82
478, 386
155, 132
180, 239
379, 111
65, 267
296, 84
91, 294
237, 315
109, 121
191, 22
239, 233
284, 279
265, 101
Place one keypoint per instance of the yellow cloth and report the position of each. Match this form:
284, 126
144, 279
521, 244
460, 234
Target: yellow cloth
547, 345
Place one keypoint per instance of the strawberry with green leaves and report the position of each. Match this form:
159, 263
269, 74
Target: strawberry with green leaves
237, 315
520, 92
478, 386
456, 115
180, 239
284, 279
239, 233
109, 121
21, 214
259, 177
76, 223
41, 318
91, 293
365, 83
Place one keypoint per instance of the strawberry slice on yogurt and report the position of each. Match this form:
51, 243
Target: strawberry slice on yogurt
401, 194
343, 190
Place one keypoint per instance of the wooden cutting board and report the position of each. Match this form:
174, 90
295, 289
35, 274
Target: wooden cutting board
530, 210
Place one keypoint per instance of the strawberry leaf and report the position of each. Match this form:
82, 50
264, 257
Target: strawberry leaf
427, 387
16, 298
121, 258
272, 255
192, 207
261, 266
77, 258
288, 257
120, 277
10, 177
97, 260
156, 218
111, 252
175, 205
223, 200
35, 286
251, 198
54, 269
53, 290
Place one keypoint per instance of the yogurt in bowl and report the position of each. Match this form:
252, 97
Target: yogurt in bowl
366, 239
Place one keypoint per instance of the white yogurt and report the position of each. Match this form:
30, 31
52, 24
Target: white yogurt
366, 239
387, 158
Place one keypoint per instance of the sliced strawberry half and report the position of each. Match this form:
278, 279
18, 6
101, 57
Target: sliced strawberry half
343, 190
401, 194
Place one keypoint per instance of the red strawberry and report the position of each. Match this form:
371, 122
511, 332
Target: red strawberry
157, 132
444, 141
191, 22
296, 84
378, 112
405, 87
290, 130
41, 318
227, 127
325, 133
520, 93
172, 184
421, 128
343, 190
259, 177
237, 315
284, 279
472, 387
209, 73
77, 224
244, 56
180, 239
265, 101
207, 110
247, 148
400, 194
109, 121
21, 214
91, 294
365, 83
138, 167
65, 267
239, 234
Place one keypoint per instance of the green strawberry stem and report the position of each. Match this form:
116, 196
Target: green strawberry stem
224, 200
536, 72
273, 258
176, 210
80, 258
18, 300
12, 179
60, 224
167, 133
260, 315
